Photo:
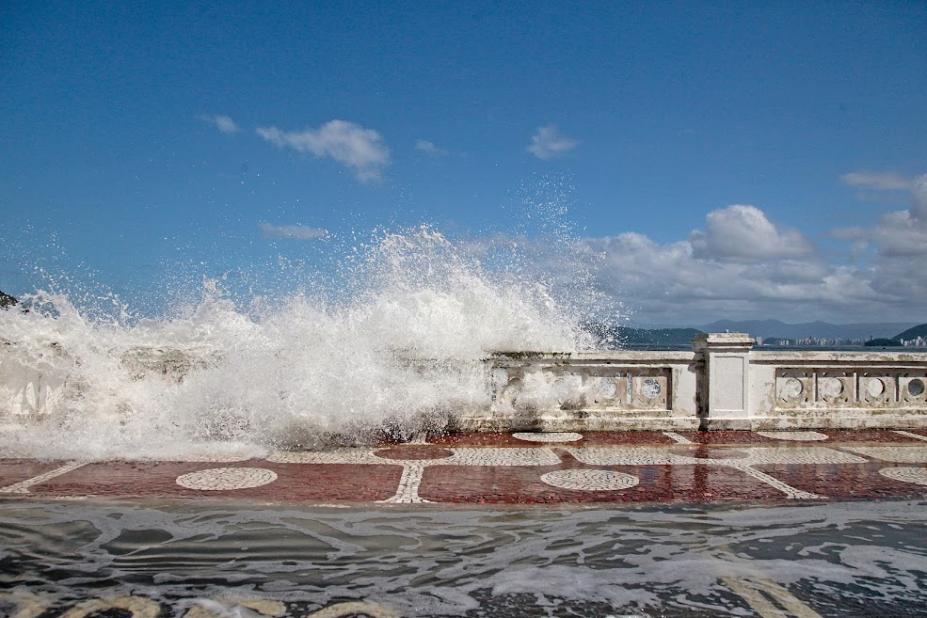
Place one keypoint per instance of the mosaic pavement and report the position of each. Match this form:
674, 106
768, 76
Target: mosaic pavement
521, 468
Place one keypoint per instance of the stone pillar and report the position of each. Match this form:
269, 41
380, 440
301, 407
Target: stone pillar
724, 393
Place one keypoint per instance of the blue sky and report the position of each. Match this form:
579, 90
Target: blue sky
732, 160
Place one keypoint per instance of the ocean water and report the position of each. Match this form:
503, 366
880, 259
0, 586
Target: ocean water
842, 559
399, 351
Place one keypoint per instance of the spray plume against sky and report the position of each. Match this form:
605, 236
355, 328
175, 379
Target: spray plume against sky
736, 160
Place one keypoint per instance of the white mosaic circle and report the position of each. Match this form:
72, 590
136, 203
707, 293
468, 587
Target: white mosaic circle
906, 475
216, 479
590, 480
548, 437
793, 435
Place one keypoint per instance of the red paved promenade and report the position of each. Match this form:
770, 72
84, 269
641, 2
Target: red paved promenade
521, 468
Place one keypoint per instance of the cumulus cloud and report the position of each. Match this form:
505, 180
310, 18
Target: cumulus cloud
222, 123
429, 148
547, 143
361, 150
696, 280
900, 233
744, 232
671, 284
295, 232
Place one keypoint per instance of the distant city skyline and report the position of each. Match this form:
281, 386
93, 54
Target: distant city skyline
736, 161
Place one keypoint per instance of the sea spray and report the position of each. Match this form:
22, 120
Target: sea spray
401, 352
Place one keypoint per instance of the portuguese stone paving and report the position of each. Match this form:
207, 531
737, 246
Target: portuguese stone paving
519, 468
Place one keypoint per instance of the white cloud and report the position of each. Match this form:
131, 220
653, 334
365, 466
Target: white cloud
222, 123
547, 143
429, 148
295, 232
898, 233
672, 284
744, 232
361, 150
901, 233
696, 281
919, 197
880, 181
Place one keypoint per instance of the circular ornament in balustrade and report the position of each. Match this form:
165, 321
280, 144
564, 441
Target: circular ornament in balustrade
915, 387
511, 391
830, 388
651, 388
590, 480
790, 388
607, 388
875, 387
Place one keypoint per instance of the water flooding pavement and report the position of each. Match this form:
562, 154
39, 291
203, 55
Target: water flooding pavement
198, 559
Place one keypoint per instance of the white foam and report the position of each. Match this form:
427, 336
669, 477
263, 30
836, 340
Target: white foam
403, 351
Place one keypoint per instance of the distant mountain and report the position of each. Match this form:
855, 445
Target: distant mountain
913, 333
820, 330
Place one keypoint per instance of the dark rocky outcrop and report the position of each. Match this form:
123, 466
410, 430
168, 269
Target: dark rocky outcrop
882, 343
6, 300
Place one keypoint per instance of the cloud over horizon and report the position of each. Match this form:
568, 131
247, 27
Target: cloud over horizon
360, 149
548, 142
740, 265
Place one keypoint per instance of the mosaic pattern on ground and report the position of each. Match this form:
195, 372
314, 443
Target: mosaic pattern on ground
520, 468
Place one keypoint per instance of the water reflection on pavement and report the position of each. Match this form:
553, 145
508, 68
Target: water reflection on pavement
83, 558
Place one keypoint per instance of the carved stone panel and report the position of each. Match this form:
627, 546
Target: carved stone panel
849, 388
836, 388
649, 391
572, 388
913, 389
876, 388
794, 388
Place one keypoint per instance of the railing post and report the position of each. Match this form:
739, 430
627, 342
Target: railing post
724, 391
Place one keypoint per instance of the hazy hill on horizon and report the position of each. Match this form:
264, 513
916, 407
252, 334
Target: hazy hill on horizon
818, 329
912, 333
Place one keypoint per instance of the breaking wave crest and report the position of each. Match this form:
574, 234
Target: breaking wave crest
399, 353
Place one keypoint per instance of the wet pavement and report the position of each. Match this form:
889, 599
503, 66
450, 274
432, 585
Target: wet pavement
519, 468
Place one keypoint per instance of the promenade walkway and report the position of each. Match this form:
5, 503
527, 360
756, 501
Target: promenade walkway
519, 468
